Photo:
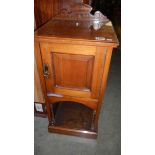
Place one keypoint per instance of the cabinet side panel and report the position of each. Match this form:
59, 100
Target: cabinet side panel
39, 67
38, 93
103, 83
98, 70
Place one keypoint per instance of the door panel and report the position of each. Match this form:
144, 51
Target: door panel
69, 67
72, 71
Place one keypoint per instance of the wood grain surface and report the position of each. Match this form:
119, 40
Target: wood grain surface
77, 59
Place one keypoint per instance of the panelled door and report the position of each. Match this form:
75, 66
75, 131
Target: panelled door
73, 70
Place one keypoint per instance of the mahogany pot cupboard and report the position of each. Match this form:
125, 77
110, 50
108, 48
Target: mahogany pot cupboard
73, 53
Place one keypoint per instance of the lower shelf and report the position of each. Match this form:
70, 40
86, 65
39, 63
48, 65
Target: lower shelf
73, 119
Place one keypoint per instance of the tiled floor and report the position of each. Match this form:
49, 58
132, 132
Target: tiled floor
109, 136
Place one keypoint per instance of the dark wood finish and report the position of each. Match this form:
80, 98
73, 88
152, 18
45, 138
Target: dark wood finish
87, 1
81, 12
74, 118
68, 3
73, 132
77, 60
68, 32
44, 10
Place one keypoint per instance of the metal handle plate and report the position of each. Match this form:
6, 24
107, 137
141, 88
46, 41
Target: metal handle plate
45, 69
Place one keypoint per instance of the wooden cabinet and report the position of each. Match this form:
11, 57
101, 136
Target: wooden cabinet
73, 58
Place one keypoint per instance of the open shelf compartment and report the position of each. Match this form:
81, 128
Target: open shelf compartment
73, 119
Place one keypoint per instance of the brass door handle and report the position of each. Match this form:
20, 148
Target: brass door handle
45, 70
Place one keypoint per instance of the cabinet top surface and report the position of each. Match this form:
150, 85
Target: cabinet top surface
77, 31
